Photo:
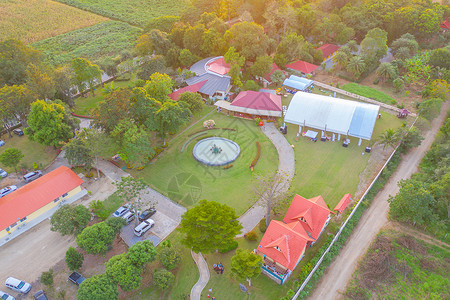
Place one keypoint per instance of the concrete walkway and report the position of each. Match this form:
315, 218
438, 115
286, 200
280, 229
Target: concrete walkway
286, 167
197, 289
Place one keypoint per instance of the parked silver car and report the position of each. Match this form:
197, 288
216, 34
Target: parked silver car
32, 176
3, 173
9, 189
144, 227
6, 296
17, 285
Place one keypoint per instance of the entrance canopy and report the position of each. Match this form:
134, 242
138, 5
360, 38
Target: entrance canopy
331, 114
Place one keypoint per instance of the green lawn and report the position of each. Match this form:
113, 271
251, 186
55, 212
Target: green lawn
368, 92
184, 180
32, 151
136, 12
83, 106
106, 39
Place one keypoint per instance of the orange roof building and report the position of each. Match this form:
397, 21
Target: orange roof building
190, 88
302, 66
37, 198
343, 203
328, 50
219, 66
312, 213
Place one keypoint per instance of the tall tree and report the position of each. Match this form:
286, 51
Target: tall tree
209, 226
62, 78
246, 265
70, 219
170, 116
16, 100
123, 272
163, 279
249, 39
262, 66
86, 74
78, 154
11, 158
386, 71
374, 46
193, 38
47, 125
74, 259
96, 239
156, 64
340, 59
39, 82
132, 190
389, 138
356, 65
194, 100
159, 86
114, 108
98, 287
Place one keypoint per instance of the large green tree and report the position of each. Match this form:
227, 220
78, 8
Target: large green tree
11, 158
40, 82
142, 253
249, 39
114, 108
194, 100
123, 272
48, 123
356, 65
78, 154
98, 287
262, 66
70, 219
170, 116
389, 138
96, 239
163, 279
74, 259
209, 226
386, 71
86, 74
374, 46
246, 265
15, 100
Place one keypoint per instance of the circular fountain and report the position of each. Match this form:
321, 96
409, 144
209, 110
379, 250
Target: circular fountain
216, 151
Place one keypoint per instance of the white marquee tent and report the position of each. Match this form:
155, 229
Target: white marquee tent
332, 115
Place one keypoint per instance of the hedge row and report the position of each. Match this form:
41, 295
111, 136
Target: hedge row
258, 153
334, 250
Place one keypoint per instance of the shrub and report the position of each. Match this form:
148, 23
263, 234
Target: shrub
231, 246
47, 277
35, 166
337, 84
89, 175
262, 225
258, 153
98, 208
257, 121
163, 279
251, 236
74, 259
228, 166
169, 257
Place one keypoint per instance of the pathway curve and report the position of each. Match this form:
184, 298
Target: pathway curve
197, 289
286, 166
339, 273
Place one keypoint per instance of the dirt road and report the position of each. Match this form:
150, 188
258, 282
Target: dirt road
39, 249
339, 273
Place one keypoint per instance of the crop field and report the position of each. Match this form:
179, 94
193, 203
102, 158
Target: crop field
34, 20
368, 92
136, 12
93, 43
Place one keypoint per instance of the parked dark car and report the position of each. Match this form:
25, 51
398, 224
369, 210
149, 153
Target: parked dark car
40, 295
18, 131
76, 278
146, 214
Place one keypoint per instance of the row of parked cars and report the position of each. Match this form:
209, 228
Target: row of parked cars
21, 287
27, 177
127, 213
17, 131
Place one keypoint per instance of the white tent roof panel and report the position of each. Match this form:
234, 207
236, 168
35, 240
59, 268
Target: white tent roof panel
332, 114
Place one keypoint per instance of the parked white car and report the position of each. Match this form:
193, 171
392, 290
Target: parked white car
5, 296
17, 285
144, 227
9, 189
3, 174
121, 211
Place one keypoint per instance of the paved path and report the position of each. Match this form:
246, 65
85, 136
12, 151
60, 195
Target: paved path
286, 166
339, 273
197, 289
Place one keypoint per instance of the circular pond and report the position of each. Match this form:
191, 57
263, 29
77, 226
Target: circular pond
216, 151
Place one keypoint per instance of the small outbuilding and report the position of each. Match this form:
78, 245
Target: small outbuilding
342, 205
328, 50
302, 67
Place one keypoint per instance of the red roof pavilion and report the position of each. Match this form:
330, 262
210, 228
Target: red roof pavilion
258, 101
190, 88
328, 49
302, 66
311, 213
36, 194
343, 203
219, 66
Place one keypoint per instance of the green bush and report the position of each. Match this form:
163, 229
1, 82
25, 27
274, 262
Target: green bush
169, 257
74, 259
262, 225
163, 279
231, 246
115, 223
47, 277
251, 236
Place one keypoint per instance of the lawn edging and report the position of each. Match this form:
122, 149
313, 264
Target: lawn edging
80, 116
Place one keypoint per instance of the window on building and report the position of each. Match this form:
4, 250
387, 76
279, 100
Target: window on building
23, 219
65, 195
278, 248
12, 225
56, 200
302, 219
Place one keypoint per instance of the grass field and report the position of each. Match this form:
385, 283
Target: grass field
368, 92
169, 173
94, 43
34, 20
400, 266
32, 151
136, 12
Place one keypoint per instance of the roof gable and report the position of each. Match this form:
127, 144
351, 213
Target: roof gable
302, 66
36, 194
343, 203
328, 49
274, 68
190, 88
258, 101
311, 213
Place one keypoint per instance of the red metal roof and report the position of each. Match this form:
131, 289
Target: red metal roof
445, 25
343, 203
328, 49
274, 68
302, 66
219, 66
36, 194
284, 243
258, 100
311, 213
190, 88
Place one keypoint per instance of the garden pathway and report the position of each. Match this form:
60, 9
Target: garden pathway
286, 167
197, 289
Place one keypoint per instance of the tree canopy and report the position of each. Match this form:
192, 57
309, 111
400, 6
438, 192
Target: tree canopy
209, 226
70, 219
96, 239
98, 287
246, 264
11, 157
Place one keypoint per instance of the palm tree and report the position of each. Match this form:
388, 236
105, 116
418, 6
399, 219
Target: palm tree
356, 65
353, 46
108, 89
389, 138
341, 59
386, 71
